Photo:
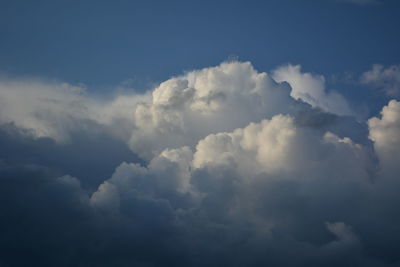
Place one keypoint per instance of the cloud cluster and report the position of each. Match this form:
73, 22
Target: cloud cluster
386, 79
240, 169
187, 108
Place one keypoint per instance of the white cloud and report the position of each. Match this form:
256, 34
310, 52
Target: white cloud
386, 79
385, 132
187, 108
56, 110
178, 112
311, 89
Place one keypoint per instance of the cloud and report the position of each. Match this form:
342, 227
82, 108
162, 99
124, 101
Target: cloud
385, 79
237, 173
385, 132
56, 110
86, 155
187, 108
311, 89
178, 112
262, 186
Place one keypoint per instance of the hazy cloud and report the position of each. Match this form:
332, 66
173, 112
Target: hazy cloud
386, 79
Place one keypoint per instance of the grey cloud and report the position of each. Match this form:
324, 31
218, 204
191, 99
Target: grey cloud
311, 89
313, 196
284, 184
90, 156
385, 79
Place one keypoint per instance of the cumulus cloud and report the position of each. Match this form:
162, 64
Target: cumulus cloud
178, 112
386, 79
385, 132
267, 178
311, 89
187, 108
238, 173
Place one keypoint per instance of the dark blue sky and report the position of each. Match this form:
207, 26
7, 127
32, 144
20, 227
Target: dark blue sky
103, 43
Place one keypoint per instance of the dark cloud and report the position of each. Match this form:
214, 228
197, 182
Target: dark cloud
90, 156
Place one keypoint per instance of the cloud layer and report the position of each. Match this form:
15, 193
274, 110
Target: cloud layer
237, 168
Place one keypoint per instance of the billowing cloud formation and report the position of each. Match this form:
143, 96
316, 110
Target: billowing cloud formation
269, 188
311, 89
238, 173
386, 79
178, 112
189, 107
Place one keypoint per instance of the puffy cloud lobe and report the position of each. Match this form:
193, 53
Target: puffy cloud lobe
311, 89
187, 108
270, 146
278, 146
386, 79
385, 132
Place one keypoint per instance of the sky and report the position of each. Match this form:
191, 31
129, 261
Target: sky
199, 133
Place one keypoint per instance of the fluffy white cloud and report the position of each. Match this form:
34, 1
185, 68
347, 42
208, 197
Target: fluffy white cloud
385, 132
178, 112
311, 89
279, 146
187, 108
386, 79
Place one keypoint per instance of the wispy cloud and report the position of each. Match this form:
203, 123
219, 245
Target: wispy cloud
381, 78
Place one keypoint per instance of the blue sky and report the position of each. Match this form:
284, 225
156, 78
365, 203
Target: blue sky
105, 43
